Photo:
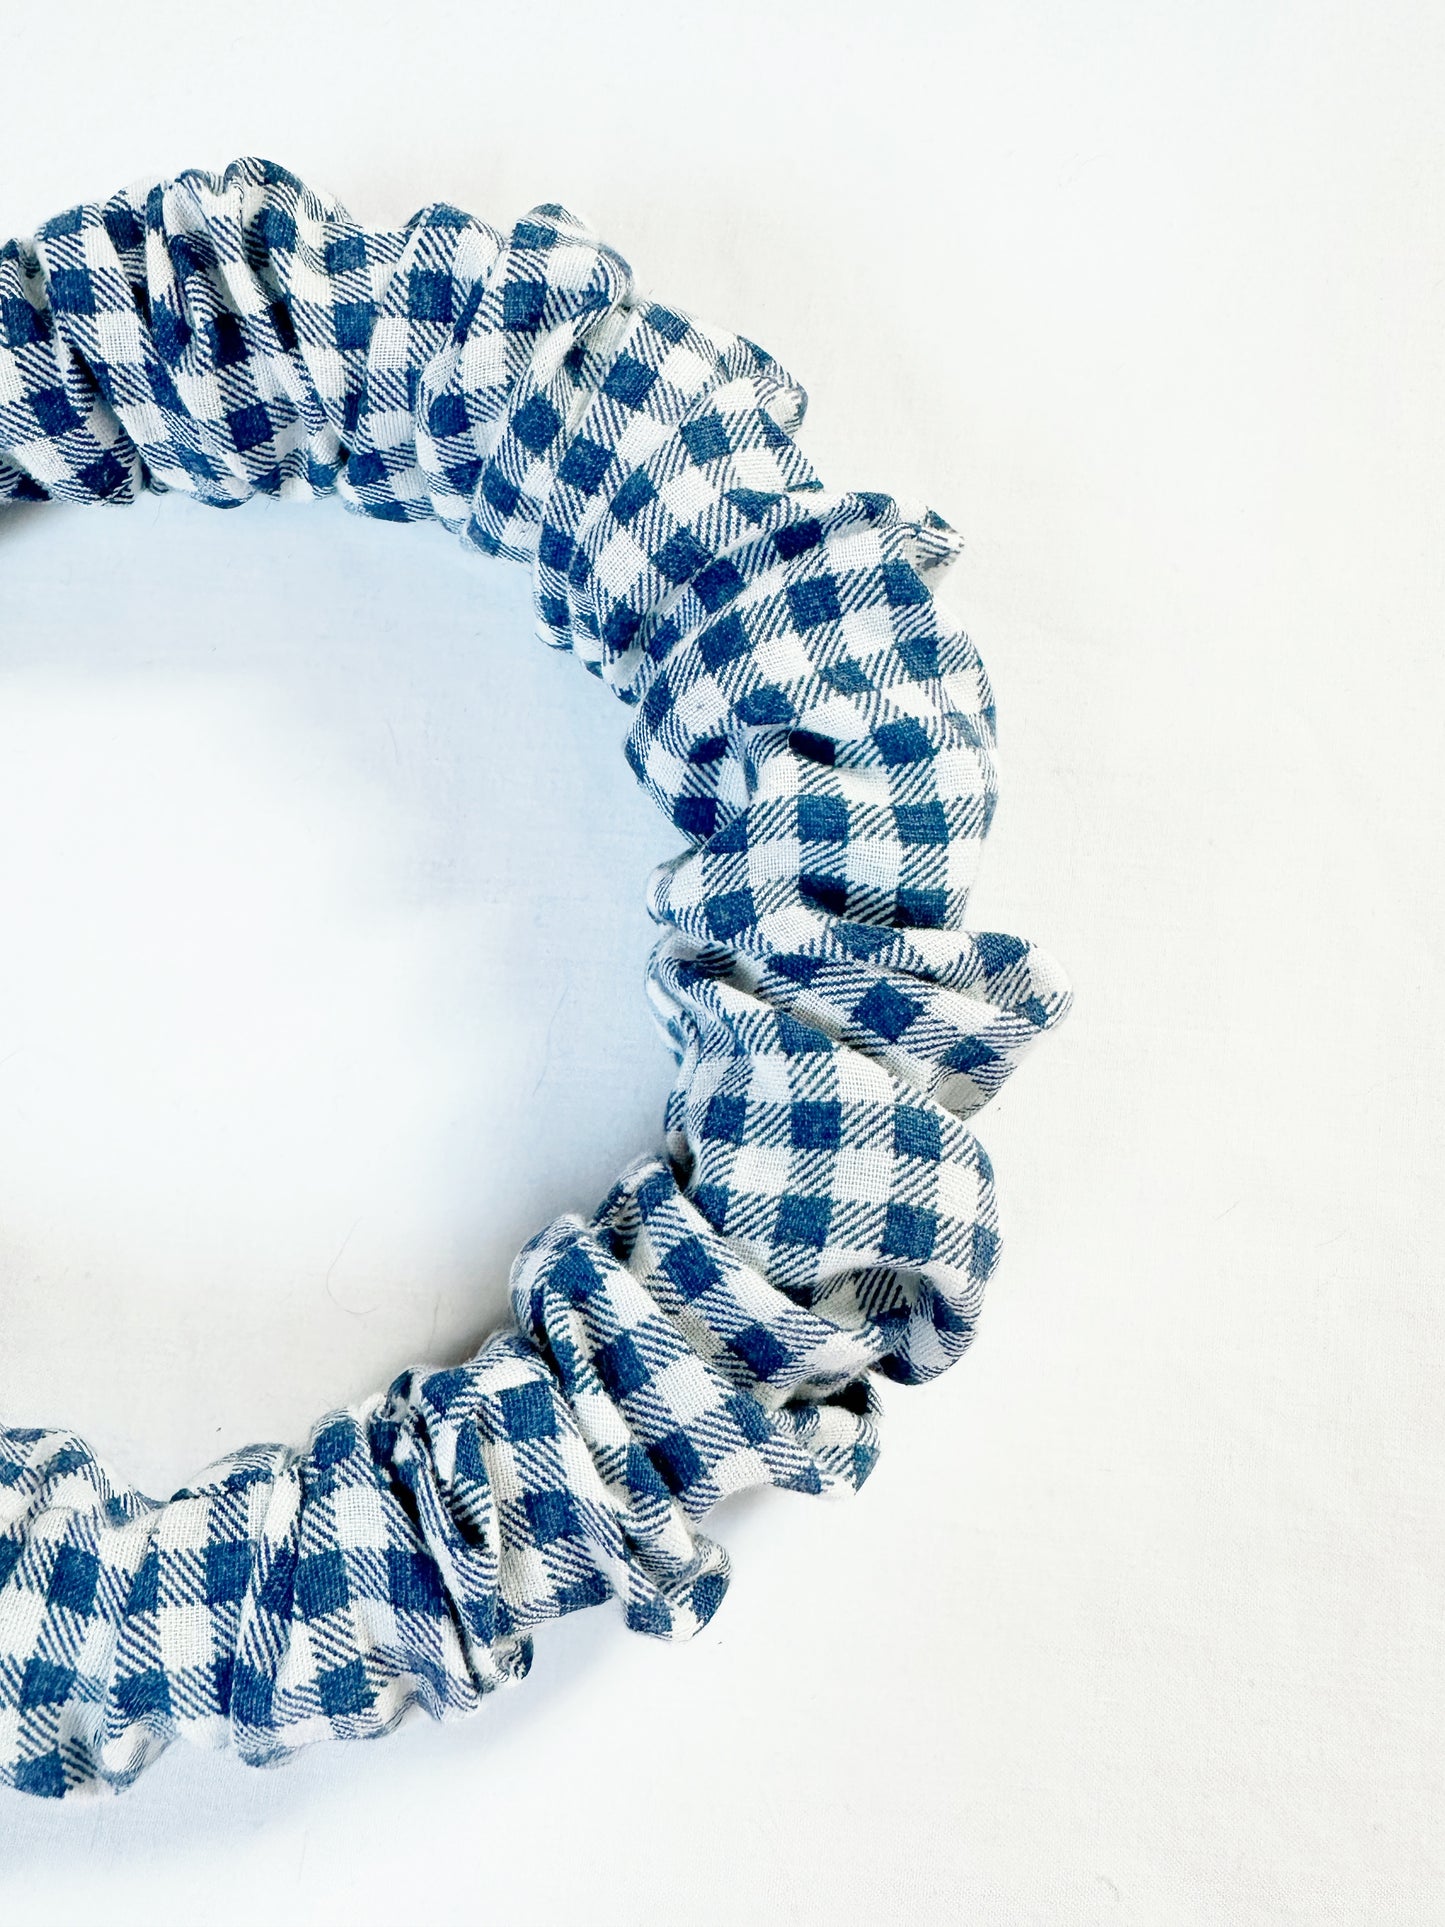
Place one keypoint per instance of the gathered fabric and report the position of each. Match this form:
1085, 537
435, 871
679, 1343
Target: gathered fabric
821, 735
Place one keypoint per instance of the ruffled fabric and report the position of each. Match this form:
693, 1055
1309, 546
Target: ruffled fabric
821, 735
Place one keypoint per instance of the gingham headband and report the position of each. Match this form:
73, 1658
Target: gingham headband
819, 732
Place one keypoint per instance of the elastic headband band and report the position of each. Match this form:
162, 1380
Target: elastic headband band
821, 735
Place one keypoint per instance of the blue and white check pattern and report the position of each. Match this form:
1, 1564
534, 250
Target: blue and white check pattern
821, 735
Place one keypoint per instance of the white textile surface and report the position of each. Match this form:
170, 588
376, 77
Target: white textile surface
1139, 1619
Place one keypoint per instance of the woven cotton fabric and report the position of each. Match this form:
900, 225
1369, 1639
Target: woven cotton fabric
819, 731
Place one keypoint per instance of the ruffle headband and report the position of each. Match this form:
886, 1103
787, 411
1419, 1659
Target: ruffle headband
820, 733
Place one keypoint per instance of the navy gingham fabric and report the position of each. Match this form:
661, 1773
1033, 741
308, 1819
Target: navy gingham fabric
820, 733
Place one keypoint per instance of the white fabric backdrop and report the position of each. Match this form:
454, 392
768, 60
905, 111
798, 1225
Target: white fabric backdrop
320, 985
